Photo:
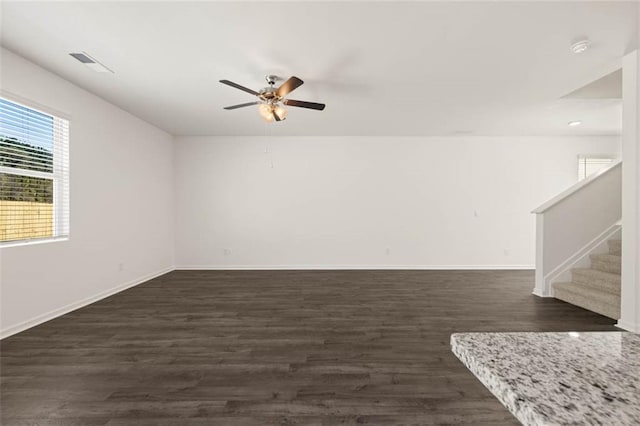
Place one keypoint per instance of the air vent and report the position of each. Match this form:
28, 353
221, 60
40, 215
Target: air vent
83, 58
90, 62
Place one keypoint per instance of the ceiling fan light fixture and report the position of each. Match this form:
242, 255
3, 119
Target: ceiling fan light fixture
266, 112
280, 111
272, 112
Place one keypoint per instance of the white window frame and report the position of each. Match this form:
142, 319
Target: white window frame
582, 158
59, 176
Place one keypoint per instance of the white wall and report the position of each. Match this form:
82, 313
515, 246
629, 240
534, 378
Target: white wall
342, 201
121, 205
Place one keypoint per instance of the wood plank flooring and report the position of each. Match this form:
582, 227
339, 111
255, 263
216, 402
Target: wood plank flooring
275, 348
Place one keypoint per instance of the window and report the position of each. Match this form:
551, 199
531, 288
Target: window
589, 164
34, 175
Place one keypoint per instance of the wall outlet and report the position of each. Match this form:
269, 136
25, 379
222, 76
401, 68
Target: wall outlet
387, 251
506, 252
227, 252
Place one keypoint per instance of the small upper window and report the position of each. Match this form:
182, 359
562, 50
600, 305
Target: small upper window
34, 174
590, 164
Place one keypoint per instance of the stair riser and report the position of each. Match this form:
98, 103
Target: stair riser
598, 284
606, 266
610, 310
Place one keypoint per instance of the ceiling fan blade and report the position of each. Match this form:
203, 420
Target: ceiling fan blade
237, 86
275, 116
289, 86
304, 104
241, 105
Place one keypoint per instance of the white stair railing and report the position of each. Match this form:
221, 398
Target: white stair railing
573, 221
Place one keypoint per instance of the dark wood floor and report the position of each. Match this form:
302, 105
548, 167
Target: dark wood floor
275, 348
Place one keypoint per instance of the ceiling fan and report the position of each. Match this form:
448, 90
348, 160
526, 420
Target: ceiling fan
270, 105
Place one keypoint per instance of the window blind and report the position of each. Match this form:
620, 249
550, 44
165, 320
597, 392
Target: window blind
590, 164
34, 174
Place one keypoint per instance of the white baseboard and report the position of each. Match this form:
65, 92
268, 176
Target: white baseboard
628, 326
351, 267
79, 304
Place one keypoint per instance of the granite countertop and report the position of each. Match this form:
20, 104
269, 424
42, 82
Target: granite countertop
558, 378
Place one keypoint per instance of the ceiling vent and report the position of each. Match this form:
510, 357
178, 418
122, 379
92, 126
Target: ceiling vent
90, 62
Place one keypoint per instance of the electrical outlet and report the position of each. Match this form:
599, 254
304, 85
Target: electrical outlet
387, 251
506, 252
227, 251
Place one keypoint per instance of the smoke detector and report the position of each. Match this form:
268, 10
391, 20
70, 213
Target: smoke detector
580, 45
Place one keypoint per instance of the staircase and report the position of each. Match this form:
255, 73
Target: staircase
596, 288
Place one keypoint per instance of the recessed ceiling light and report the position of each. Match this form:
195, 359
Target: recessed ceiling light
90, 62
581, 45
574, 123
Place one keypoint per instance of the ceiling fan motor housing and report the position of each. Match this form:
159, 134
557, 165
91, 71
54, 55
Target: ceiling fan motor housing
269, 93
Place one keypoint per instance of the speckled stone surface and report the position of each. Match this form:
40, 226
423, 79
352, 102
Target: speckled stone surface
558, 378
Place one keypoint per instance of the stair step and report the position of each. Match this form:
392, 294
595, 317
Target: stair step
603, 281
606, 263
606, 304
615, 247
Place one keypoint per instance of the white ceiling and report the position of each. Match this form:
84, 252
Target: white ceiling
415, 68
